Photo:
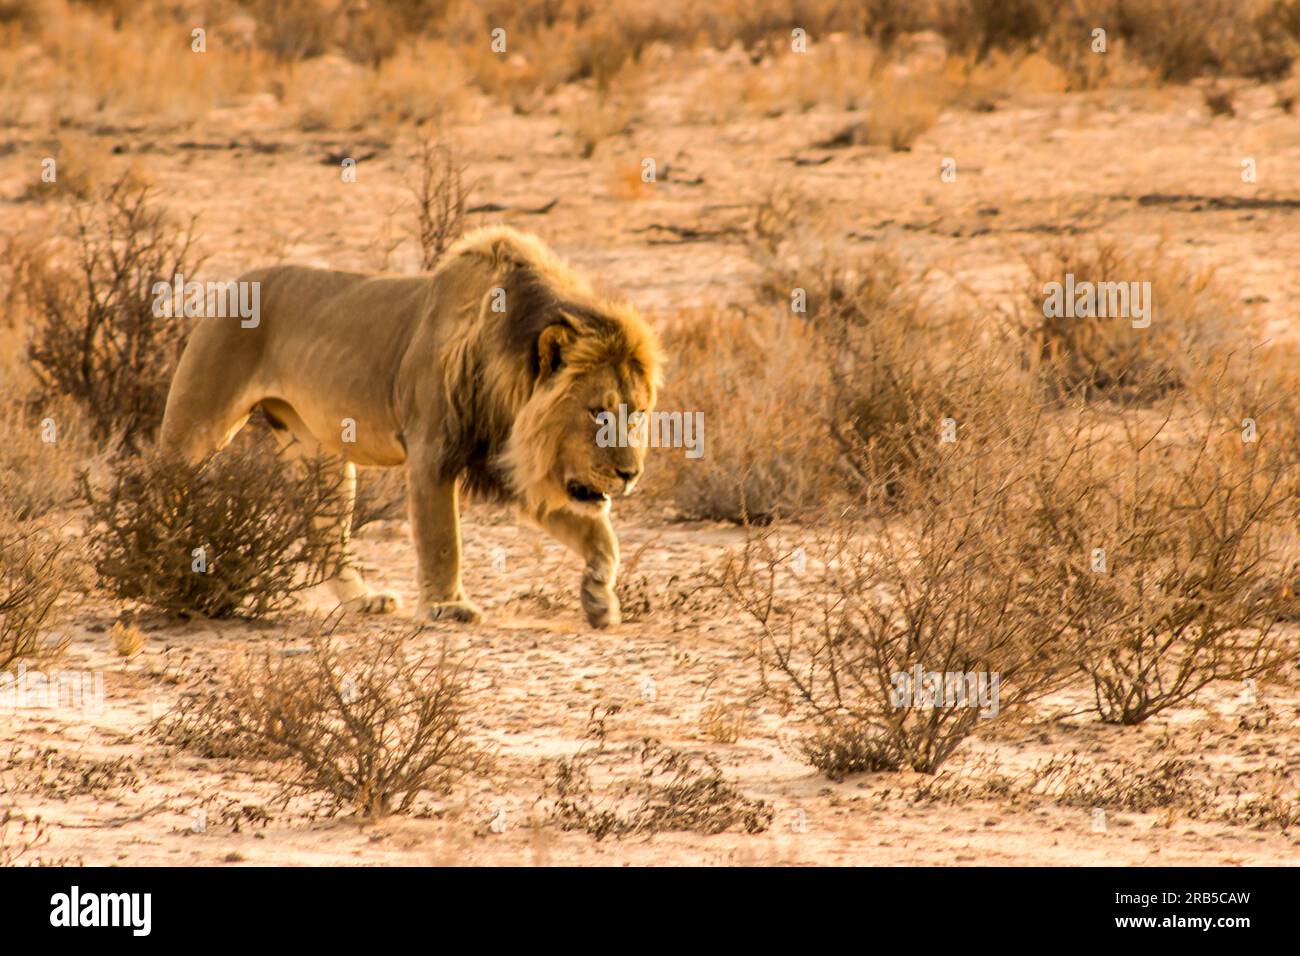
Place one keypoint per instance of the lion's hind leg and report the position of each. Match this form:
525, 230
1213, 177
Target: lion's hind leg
348, 586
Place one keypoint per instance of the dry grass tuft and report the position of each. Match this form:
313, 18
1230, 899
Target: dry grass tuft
128, 640
755, 377
1191, 318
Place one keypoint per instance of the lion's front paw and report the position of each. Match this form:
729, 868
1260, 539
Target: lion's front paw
467, 612
375, 602
600, 604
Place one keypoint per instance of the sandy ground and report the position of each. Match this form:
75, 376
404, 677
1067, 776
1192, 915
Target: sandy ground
1128, 164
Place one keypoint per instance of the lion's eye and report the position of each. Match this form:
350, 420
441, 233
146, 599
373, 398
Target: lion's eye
595, 413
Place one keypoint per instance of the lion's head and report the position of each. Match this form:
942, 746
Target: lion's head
553, 360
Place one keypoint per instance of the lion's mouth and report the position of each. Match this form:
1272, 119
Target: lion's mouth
585, 493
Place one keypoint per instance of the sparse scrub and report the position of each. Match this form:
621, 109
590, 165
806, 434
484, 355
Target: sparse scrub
367, 727
1277, 809
19, 837
1176, 545
901, 111
723, 723
256, 528
1157, 782
332, 93
603, 114
953, 591
49, 772
80, 164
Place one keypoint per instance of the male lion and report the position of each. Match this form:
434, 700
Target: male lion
488, 373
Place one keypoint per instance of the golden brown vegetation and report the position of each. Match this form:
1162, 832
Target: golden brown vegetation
342, 63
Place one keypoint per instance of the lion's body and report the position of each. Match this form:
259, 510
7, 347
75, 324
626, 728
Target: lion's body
478, 374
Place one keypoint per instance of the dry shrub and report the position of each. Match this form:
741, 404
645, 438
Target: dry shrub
903, 109
756, 377
549, 44
403, 89
1182, 591
95, 338
667, 790
901, 373
539, 55
1158, 781
952, 591
263, 528
982, 26
33, 578
841, 74
366, 727
1278, 809
1183, 39
294, 29
837, 73
764, 25
88, 66
1191, 316
723, 723
858, 379
439, 192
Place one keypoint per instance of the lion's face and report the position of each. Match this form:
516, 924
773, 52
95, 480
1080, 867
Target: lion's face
566, 449
597, 459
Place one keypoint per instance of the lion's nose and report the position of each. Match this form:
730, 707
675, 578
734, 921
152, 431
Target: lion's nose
627, 474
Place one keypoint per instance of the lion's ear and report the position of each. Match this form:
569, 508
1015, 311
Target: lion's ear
551, 345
